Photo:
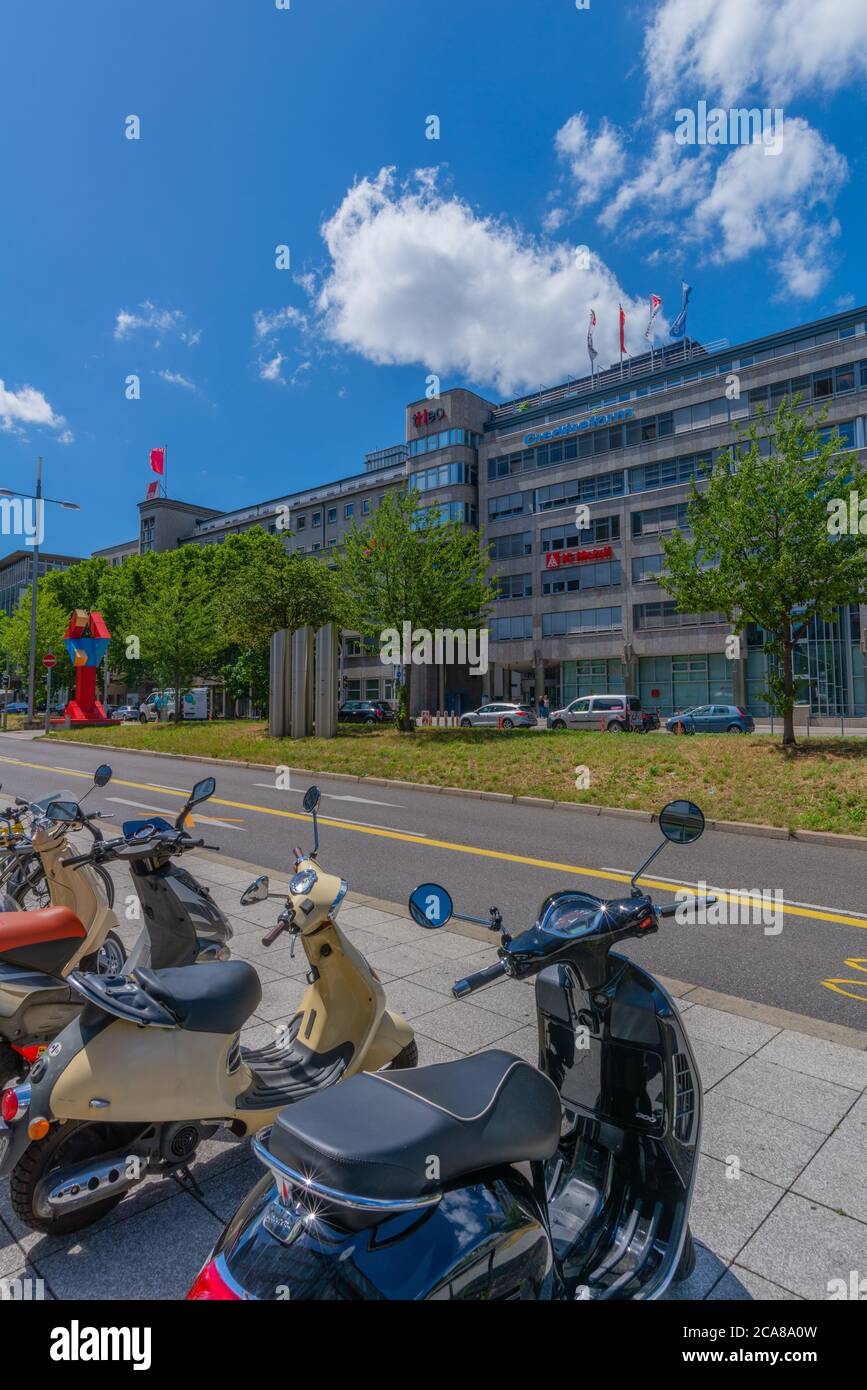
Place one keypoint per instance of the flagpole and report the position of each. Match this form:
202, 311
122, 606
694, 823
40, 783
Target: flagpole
165, 470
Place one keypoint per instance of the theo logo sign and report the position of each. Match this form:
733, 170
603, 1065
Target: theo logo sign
590, 422
555, 558
428, 417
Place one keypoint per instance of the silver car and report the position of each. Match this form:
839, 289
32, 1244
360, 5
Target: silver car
612, 713
499, 714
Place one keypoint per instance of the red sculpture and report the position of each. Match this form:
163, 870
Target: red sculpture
86, 640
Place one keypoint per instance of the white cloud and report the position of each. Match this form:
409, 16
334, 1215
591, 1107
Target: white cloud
416, 277
26, 406
595, 161
266, 324
667, 182
177, 379
157, 322
758, 203
774, 48
269, 370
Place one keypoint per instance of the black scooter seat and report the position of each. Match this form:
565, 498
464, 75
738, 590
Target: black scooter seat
217, 997
374, 1135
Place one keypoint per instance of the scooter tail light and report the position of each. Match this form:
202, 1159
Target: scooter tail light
209, 1286
14, 1103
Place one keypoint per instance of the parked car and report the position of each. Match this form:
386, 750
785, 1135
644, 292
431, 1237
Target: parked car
513, 716
712, 719
17, 707
123, 712
365, 712
616, 714
160, 704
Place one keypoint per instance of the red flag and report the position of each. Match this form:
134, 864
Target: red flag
158, 461
622, 330
153, 490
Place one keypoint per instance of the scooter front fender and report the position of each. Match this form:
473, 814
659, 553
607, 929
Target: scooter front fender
392, 1035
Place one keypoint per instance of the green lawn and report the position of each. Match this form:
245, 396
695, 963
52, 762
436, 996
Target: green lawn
821, 785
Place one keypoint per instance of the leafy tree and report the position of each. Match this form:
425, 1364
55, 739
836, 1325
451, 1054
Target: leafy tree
406, 565
264, 589
173, 614
762, 548
51, 622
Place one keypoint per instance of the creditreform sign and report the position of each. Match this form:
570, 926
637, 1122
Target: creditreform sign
590, 422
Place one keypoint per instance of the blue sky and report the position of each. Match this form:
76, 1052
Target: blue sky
307, 127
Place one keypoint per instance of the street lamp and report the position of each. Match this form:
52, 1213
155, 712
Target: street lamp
40, 502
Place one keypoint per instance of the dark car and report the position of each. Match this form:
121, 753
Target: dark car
712, 719
365, 712
17, 707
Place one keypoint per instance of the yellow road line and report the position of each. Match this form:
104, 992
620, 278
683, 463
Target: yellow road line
813, 914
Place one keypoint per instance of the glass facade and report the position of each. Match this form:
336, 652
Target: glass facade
674, 683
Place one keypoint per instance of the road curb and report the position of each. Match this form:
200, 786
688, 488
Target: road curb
682, 990
731, 827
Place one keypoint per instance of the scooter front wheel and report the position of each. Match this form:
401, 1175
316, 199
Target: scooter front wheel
69, 1144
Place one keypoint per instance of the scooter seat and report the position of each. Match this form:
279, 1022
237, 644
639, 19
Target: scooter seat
40, 940
215, 997
373, 1136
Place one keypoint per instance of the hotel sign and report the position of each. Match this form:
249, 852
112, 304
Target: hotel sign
555, 558
590, 422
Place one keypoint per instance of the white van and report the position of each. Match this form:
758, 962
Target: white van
160, 705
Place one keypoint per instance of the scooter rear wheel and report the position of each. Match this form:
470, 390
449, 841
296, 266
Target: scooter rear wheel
70, 1143
407, 1057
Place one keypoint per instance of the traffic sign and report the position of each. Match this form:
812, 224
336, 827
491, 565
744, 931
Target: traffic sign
49, 660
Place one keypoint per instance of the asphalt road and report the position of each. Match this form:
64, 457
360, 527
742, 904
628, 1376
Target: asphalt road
385, 840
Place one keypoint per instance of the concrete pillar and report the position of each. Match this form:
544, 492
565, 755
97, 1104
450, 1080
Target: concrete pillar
739, 681
441, 686
300, 703
325, 700
539, 678
280, 686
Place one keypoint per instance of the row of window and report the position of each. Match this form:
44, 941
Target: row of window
645, 617
445, 475
441, 440
567, 536
299, 522
653, 521
443, 512
514, 586
642, 478
818, 386
599, 574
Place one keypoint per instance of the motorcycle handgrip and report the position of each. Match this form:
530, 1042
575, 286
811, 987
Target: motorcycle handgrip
271, 936
75, 861
667, 911
20, 801
480, 978
706, 900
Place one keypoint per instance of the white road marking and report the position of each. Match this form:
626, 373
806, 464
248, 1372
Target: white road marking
331, 796
171, 815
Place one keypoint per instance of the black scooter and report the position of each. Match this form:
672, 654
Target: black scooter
485, 1177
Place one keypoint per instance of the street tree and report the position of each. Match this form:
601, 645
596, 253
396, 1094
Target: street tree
409, 565
764, 548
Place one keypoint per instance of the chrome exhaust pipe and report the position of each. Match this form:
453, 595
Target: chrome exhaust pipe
85, 1183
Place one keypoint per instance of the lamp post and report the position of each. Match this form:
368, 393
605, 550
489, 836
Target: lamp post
40, 503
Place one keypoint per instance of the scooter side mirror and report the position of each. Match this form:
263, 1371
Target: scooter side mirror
257, 892
682, 822
202, 791
430, 905
67, 812
102, 776
312, 798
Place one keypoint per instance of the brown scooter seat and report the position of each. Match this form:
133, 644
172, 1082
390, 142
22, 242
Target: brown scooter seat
40, 940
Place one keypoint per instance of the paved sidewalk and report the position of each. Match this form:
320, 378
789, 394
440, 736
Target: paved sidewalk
785, 1107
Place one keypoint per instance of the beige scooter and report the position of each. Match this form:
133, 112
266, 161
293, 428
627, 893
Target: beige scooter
154, 1066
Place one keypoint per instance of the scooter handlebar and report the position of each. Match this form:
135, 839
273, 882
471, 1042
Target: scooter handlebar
478, 980
706, 900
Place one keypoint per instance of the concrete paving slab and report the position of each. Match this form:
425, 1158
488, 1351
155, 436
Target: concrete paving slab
714, 1062
727, 1030
805, 1246
816, 1104
464, 1026
768, 1146
835, 1176
815, 1057
726, 1211
412, 1000
442, 976
401, 960
740, 1285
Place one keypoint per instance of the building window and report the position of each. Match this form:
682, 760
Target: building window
371, 690
515, 586
508, 547
300, 523
365, 506
348, 510
655, 615
510, 504
148, 534
579, 620
647, 567
353, 690
512, 629
445, 475
441, 440
592, 489
602, 574
316, 519
332, 515
567, 536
